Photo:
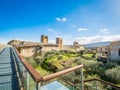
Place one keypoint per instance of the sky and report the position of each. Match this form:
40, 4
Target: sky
85, 21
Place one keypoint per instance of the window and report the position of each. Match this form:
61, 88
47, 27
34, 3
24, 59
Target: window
119, 52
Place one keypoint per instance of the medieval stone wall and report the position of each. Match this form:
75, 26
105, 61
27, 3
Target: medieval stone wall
27, 52
67, 47
71, 47
26, 48
49, 48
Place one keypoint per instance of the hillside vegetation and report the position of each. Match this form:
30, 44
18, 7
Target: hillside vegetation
54, 61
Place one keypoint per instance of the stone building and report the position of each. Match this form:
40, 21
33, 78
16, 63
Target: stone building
103, 50
75, 43
14, 42
27, 48
111, 52
77, 46
59, 42
103, 53
21, 43
44, 39
115, 50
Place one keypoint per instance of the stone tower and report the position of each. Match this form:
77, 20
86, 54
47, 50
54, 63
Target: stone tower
44, 39
59, 41
75, 43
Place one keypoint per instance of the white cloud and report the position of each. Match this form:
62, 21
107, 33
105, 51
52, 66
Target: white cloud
73, 26
82, 29
51, 30
58, 19
105, 31
64, 19
61, 19
97, 38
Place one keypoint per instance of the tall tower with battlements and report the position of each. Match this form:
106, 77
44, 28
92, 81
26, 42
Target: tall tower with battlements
59, 41
44, 39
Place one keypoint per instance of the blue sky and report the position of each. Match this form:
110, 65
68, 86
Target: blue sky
85, 21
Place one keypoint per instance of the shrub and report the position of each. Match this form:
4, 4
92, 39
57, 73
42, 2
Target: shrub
81, 52
110, 65
39, 60
94, 56
113, 74
60, 57
32, 62
90, 66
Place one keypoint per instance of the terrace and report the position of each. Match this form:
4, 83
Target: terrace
29, 79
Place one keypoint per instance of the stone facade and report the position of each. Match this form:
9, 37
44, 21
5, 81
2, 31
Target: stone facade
50, 47
103, 53
115, 50
68, 47
27, 52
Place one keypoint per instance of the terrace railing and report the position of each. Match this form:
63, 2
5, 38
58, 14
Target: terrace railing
98, 84
32, 80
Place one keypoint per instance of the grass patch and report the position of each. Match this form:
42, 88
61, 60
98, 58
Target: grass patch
42, 71
88, 56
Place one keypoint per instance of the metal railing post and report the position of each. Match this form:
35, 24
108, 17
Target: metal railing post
28, 76
96, 82
91, 85
73, 86
38, 86
82, 84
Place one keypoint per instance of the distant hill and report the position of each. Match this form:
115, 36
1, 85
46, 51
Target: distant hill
94, 45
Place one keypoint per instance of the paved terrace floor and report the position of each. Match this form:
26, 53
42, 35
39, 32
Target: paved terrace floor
8, 77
